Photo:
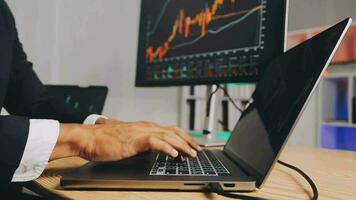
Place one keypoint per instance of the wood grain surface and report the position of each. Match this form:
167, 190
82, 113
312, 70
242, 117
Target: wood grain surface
334, 173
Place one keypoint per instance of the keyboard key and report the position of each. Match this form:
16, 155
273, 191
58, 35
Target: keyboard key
206, 164
209, 173
170, 171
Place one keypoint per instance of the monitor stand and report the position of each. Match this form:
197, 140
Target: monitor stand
210, 131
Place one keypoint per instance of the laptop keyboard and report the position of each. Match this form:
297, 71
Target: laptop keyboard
205, 164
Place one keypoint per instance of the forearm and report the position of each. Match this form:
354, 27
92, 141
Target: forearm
72, 139
111, 140
49, 140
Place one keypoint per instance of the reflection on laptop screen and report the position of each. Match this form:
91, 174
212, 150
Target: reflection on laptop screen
278, 100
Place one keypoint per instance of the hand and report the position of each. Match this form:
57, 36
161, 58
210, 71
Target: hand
115, 140
111, 140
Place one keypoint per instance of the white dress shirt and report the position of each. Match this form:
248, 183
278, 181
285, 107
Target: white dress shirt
42, 138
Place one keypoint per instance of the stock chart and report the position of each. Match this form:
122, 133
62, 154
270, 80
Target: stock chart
202, 28
201, 39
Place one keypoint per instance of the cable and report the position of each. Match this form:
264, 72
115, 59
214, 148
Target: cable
230, 98
226, 94
215, 187
309, 180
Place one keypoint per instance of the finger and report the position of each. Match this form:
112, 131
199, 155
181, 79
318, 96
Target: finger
178, 143
187, 138
160, 145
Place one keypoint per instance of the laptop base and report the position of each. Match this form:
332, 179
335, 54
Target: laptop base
127, 174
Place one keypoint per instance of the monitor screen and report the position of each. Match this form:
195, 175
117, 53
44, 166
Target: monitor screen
279, 99
190, 42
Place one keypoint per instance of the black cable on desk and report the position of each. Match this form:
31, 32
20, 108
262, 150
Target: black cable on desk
310, 181
215, 187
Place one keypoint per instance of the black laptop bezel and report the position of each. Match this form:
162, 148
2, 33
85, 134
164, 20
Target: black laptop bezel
260, 179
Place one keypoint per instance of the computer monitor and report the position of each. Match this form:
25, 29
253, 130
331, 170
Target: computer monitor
194, 42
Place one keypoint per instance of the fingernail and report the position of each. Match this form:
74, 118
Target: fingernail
193, 152
199, 148
175, 153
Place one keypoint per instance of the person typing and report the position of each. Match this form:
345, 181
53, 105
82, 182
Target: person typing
36, 132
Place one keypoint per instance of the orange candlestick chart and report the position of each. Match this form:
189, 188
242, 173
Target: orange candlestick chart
192, 42
183, 29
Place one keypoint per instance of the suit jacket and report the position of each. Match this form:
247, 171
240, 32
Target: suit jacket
23, 95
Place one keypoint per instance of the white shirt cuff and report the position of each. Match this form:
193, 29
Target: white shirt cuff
42, 138
91, 119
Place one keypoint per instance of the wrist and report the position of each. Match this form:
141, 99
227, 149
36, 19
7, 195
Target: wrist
101, 120
93, 119
71, 141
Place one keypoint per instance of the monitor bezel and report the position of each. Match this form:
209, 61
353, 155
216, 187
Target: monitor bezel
191, 82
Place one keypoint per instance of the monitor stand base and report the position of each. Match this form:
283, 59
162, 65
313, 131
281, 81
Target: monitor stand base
209, 141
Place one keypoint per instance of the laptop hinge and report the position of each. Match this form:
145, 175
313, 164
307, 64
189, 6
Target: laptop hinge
239, 165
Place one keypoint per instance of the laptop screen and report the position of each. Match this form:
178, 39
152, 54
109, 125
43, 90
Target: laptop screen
278, 101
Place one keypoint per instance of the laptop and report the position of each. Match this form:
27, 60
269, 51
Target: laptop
82, 101
255, 144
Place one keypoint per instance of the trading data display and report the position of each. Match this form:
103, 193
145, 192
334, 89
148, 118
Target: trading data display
188, 42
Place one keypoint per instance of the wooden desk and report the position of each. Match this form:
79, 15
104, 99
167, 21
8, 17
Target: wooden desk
334, 172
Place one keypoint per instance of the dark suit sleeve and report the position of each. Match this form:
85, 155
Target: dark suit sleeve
14, 133
26, 94
13, 129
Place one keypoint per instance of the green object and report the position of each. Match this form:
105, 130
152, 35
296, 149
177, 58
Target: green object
170, 71
222, 135
196, 134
